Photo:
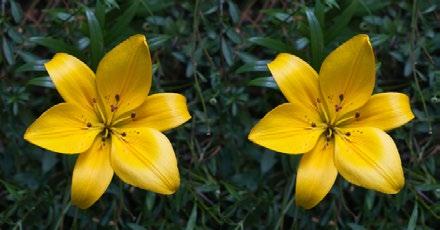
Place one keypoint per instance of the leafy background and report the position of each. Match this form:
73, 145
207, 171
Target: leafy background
215, 52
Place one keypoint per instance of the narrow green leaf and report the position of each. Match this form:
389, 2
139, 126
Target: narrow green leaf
227, 52
192, 219
100, 12
8, 52
412, 223
319, 12
341, 21
96, 39
258, 66
123, 21
272, 44
234, 12
157, 41
267, 82
31, 67
16, 11
41, 81
55, 45
316, 38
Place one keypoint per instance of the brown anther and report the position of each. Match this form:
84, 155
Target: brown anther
341, 97
357, 115
347, 134
133, 115
123, 134
313, 124
117, 97
113, 108
89, 124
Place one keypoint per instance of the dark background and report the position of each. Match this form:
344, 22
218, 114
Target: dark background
215, 53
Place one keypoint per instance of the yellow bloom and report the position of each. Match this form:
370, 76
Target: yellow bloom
112, 122
336, 122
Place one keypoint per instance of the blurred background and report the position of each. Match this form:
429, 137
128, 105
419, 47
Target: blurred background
215, 53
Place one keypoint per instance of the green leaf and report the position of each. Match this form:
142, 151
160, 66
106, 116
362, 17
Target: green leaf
16, 11
156, 41
320, 12
41, 81
272, 44
8, 52
55, 45
258, 66
31, 67
316, 38
267, 82
96, 39
227, 52
412, 223
100, 12
234, 12
122, 22
192, 219
341, 22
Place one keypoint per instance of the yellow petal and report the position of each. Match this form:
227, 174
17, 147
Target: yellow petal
144, 157
289, 128
92, 174
64, 128
347, 76
316, 174
73, 79
297, 80
124, 76
369, 158
162, 111
384, 111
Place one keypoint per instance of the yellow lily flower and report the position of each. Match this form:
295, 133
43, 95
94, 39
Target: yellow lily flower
336, 121
112, 122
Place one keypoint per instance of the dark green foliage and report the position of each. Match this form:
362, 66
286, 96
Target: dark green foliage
215, 52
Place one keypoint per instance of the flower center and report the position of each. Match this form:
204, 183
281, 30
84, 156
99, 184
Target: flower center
106, 132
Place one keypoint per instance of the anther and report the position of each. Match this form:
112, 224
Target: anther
341, 97
117, 97
123, 134
318, 100
347, 134
357, 115
113, 108
94, 100
89, 124
313, 124
133, 115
